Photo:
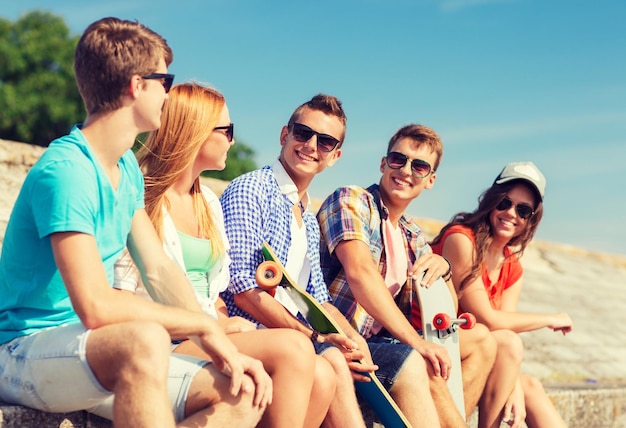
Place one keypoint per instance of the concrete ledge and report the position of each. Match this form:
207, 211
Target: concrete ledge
582, 406
12, 416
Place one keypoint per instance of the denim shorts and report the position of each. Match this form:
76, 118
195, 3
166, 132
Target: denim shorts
48, 371
320, 348
390, 355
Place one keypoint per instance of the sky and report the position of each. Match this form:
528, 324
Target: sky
499, 80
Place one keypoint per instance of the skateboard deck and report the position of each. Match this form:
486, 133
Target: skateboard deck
440, 325
272, 273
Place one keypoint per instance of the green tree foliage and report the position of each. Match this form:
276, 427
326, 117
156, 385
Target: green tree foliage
240, 160
39, 100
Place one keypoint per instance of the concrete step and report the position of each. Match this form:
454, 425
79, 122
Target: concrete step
22, 417
585, 406
582, 406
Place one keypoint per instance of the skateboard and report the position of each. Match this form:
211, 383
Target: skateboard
440, 325
270, 274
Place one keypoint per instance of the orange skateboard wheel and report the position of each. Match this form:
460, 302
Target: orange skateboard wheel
442, 321
268, 276
470, 320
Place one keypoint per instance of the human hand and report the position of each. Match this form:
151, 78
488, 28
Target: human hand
434, 265
236, 325
263, 382
514, 412
224, 355
562, 322
438, 357
357, 355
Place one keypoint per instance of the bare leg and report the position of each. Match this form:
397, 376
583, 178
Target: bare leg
210, 404
540, 412
344, 409
502, 379
131, 359
411, 392
289, 358
449, 416
324, 389
478, 353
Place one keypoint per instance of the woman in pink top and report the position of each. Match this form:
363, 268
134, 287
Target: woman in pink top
483, 249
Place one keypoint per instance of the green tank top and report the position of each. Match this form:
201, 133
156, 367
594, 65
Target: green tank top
198, 261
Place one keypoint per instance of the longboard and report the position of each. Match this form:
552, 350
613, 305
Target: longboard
440, 325
271, 274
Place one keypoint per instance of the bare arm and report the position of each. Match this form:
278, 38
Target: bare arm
269, 312
98, 304
459, 250
369, 289
163, 279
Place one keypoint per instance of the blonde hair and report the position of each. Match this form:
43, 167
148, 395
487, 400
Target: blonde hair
189, 116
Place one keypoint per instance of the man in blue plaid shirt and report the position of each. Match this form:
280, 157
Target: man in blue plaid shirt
272, 205
370, 250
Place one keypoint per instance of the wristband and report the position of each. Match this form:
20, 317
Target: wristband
314, 335
446, 276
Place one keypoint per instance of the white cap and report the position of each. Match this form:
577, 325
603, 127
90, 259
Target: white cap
523, 171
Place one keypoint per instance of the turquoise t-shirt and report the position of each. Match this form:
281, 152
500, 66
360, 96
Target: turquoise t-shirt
65, 191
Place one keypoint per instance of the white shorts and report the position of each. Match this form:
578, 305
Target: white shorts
48, 371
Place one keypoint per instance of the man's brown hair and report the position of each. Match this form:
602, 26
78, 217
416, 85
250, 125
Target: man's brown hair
108, 54
420, 135
327, 104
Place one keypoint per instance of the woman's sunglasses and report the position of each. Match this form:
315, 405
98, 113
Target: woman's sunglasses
166, 79
419, 167
230, 131
523, 210
303, 133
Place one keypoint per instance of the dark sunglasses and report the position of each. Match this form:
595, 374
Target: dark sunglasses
166, 79
419, 167
303, 133
230, 131
523, 210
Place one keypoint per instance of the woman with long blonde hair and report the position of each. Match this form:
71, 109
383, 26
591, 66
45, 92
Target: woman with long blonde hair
195, 135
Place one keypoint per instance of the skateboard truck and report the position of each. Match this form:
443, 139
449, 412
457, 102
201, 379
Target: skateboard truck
446, 325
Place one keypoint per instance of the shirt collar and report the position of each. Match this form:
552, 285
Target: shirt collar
406, 220
288, 187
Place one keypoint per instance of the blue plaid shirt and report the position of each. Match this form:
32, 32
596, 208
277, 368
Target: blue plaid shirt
350, 213
257, 211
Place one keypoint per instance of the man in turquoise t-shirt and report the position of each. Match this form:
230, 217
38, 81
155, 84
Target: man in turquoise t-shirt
58, 196
68, 340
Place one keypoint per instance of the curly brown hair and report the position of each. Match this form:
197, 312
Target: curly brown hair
478, 222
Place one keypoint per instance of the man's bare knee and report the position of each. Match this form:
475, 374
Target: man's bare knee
413, 374
128, 351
